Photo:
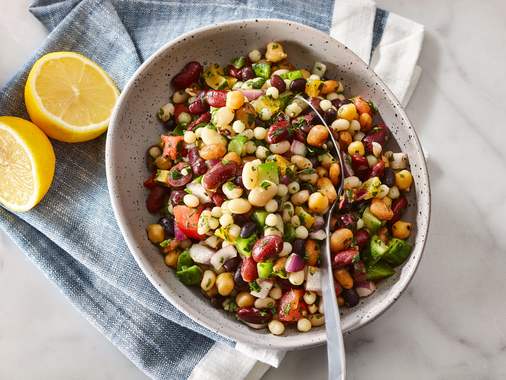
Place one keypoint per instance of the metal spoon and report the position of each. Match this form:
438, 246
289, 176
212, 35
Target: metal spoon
335, 345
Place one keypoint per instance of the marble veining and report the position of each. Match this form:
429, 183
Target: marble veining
450, 324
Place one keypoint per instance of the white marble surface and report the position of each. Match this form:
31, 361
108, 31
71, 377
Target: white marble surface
451, 323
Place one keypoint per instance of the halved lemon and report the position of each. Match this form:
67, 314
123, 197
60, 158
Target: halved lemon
27, 164
70, 97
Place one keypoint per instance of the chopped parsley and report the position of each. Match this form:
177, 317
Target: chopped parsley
254, 287
165, 243
287, 308
265, 185
175, 175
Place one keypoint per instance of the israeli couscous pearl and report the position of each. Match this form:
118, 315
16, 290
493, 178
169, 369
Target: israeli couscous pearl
260, 133
255, 55
301, 232
271, 206
238, 126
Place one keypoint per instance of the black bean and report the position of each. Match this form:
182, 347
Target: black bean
299, 247
298, 85
350, 297
330, 115
248, 229
279, 83
231, 264
240, 284
389, 177
167, 222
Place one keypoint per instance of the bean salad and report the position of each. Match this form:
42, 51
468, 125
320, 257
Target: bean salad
243, 176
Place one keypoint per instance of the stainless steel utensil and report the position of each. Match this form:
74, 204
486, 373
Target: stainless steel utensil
335, 345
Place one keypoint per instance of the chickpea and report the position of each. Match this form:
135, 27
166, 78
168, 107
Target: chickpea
403, 180
171, 259
163, 163
232, 156
365, 121
327, 188
326, 160
362, 105
348, 112
334, 173
275, 52
235, 99
317, 135
225, 283
401, 229
309, 298
356, 147
317, 320
244, 299
321, 171
208, 280
328, 87
380, 209
318, 203
345, 138
304, 325
344, 278
212, 151
156, 233
340, 239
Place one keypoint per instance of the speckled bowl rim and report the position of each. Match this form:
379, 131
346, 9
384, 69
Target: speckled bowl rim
320, 339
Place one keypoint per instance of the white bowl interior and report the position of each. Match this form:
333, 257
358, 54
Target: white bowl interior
134, 127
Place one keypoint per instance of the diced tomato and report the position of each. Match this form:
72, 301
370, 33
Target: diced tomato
187, 219
150, 182
180, 108
172, 146
291, 306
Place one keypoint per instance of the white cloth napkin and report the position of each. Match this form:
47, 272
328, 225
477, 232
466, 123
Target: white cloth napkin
394, 59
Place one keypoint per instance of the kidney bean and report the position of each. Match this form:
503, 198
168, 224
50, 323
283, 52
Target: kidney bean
198, 107
298, 85
198, 164
233, 71
218, 175
266, 247
279, 83
359, 272
190, 74
347, 220
343, 258
362, 237
216, 98
176, 197
231, 264
378, 169
167, 222
398, 206
248, 229
389, 177
247, 73
204, 118
218, 199
176, 177
360, 166
379, 135
299, 135
315, 102
298, 247
253, 315
155, 199
249, 269
338, 288
278, 132
150, 182
350, 297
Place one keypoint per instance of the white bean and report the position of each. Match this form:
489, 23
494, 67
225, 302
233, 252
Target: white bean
280, 147
239, 206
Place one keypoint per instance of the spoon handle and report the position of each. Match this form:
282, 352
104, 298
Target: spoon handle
335, 346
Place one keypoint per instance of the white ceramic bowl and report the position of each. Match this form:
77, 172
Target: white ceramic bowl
134, 127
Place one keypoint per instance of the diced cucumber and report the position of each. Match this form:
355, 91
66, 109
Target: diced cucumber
259, 217
305, 218
262, 70
379, 271
398, 252
370, 221
237, 144
268, 171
